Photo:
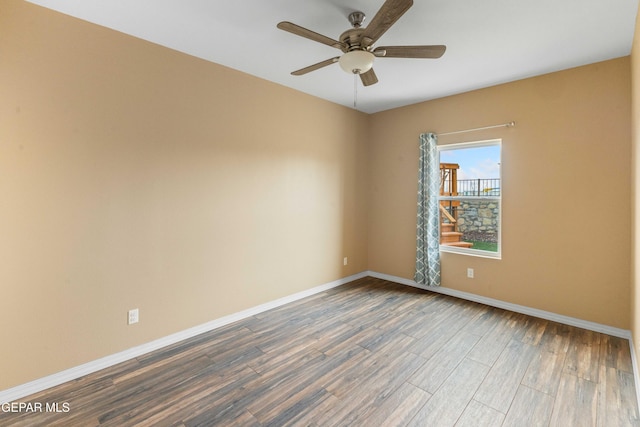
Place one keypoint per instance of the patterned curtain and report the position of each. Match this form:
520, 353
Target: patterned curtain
428, 232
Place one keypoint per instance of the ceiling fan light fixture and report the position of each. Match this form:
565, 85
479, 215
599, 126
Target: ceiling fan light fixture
356, 61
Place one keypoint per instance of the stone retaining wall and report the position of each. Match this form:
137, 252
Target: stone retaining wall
480, 219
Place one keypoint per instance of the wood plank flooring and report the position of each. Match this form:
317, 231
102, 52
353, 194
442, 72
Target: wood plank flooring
369, 353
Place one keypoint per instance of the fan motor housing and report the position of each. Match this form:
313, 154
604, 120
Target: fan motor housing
352, 39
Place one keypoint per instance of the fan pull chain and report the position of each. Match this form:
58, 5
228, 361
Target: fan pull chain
355, 91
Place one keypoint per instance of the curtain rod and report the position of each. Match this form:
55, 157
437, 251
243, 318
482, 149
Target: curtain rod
508, 125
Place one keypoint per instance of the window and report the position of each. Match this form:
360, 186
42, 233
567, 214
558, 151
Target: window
470, 198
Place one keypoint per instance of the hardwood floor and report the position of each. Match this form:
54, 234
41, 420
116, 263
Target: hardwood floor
370, 353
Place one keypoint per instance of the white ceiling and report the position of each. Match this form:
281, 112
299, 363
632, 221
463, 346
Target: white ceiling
488, 42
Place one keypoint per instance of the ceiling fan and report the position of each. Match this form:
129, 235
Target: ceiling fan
357, 43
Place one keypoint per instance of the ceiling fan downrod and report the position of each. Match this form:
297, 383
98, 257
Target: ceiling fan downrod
356, 19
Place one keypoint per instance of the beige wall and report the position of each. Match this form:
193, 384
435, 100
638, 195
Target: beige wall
635, 190
135, 176
566, 186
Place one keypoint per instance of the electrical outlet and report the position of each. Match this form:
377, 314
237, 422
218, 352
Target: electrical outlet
470, 273
345, 261
133, 316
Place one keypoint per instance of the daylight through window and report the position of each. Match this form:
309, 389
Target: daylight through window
470, 198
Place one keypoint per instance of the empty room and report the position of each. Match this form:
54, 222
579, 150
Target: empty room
331, 213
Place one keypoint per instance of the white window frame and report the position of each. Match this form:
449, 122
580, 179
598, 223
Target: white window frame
470, 251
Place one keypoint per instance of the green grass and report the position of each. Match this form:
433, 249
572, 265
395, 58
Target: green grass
484, 246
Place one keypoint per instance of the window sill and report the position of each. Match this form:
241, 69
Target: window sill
470, 252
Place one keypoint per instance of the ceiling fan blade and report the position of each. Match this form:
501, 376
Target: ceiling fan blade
369, 78
435, 51
388, 14
314, 67
311, 35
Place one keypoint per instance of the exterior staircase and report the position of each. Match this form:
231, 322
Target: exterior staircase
450, 237
449, 187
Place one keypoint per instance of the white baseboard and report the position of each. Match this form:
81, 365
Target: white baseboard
53, 380
571, 321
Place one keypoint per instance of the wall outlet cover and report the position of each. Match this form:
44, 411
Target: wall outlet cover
133, 316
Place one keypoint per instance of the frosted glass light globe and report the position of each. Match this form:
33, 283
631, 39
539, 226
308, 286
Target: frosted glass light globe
356, 61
